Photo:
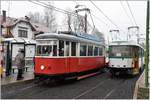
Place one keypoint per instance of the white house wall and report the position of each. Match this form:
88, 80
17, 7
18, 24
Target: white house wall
22, 24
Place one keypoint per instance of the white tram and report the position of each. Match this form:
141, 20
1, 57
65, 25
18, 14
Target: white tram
125, 57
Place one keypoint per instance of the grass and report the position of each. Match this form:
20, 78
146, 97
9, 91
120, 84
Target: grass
143, 93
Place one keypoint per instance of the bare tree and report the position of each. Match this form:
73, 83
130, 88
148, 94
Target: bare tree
49, 18
35, 17
68, 20
99, 35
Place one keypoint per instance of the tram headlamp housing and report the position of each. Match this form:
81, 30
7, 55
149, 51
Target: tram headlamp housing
42, 67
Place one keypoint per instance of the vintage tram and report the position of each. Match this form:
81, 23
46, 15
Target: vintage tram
125, 57
68, 55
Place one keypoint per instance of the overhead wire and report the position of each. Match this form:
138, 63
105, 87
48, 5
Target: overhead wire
100, 20
107, 16
131, 12
76, 2
55, 8
126, 12
91, 14
103, 13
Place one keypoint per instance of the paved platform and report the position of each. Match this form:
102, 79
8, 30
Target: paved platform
139, 84
12, 78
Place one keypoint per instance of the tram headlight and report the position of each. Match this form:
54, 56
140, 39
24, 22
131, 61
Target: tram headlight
42, 67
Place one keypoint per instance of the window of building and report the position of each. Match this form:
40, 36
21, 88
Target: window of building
22, 33
73, 49
96, 51
83, 50
90, 50
61, 48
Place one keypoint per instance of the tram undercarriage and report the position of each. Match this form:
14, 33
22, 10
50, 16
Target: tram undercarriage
124, 71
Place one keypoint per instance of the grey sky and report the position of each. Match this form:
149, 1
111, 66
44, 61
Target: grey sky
112, 9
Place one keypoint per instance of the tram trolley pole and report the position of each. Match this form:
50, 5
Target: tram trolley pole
147, 46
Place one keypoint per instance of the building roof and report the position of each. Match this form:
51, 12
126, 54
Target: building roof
40, 28
10, 22
36, 27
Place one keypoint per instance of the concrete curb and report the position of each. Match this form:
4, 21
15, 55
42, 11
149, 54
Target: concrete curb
18, 82
137, 86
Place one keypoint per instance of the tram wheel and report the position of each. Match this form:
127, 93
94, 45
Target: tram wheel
112, 73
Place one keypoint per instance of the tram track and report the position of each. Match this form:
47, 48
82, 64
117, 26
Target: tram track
91, 89
114, 89
19, 89
97, 87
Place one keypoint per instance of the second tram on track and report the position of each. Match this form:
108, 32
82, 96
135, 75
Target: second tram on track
68, 55
125, 57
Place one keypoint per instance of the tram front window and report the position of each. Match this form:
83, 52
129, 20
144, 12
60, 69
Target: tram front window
44, 50
121, 51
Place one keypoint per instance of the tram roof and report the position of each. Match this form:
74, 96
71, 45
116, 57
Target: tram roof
83, 37
130, 43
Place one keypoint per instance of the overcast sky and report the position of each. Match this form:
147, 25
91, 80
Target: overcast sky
112, 9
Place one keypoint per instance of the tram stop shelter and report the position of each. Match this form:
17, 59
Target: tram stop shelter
10, 48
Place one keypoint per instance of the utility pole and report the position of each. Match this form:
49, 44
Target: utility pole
147, 45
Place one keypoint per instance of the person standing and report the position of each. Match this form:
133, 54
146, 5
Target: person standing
20, 63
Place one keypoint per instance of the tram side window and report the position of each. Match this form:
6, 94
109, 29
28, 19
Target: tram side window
73, 49
67, 48
90, 50
96, 51
82, 50
54, 50
61, 48
141, 52
100, 51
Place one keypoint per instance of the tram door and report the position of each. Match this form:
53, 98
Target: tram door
71, 53
63, 53
67, 53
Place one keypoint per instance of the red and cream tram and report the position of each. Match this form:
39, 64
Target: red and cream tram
68, 55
